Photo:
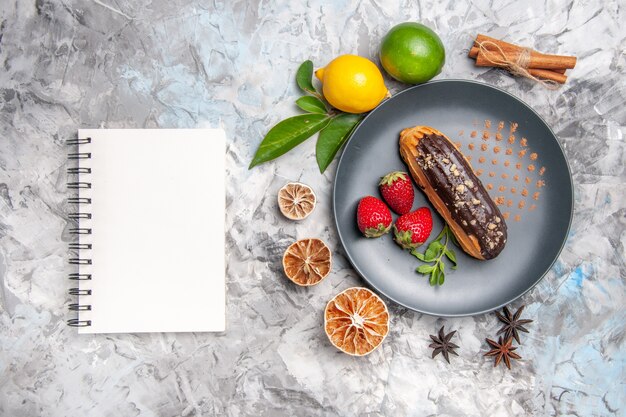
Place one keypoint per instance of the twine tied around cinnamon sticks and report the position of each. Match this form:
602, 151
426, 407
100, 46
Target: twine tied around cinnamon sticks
548, 70
519, 67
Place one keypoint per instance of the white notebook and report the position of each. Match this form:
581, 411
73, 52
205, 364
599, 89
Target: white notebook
150, 206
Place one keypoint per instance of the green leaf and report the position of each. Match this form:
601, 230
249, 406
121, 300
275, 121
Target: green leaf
333, 136
451, 255
304, 75
441, 278
436, 246
431, 259
433, 251
311, 104
425, 269
286, 135
418, 255
433, 277
430, 254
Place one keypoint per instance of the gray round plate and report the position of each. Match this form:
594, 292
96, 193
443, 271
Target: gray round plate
457, 108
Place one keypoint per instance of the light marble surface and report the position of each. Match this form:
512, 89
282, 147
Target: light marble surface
115, 63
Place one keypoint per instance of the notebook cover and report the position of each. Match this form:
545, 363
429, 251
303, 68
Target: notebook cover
157, 220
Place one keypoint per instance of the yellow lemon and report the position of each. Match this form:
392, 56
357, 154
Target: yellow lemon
352, 84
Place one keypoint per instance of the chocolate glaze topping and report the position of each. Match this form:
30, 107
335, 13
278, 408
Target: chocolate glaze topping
464, 195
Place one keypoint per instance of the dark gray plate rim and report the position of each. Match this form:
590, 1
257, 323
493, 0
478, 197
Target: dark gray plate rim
389, 102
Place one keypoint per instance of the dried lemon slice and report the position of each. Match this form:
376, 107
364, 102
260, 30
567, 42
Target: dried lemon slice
296, 201
307, 262
356, 321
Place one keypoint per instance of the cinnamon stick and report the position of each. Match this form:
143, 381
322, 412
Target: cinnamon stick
512, 52
537, 60
548, 75
504, 45
473, 53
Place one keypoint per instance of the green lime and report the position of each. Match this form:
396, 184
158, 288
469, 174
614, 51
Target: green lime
412, 53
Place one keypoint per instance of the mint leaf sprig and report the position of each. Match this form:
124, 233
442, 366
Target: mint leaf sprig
435, 253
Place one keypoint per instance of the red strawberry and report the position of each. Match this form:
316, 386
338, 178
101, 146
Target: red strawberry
373, 217
397, 191
412, 229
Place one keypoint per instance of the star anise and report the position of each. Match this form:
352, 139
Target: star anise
502, 351
512, 323
441, 344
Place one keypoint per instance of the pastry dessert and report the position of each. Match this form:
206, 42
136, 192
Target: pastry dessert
448, 180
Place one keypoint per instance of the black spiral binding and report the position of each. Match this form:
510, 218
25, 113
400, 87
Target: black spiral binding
79, 323
78, 200
80, 277
77, 246
76, 216
79, 231
78, 291
75, 185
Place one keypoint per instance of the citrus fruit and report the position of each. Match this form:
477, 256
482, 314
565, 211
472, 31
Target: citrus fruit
356, 321
412, 53
352, 84
307, 262
296, 201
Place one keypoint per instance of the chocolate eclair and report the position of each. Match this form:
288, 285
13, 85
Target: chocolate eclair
449, 182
